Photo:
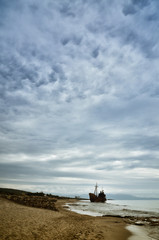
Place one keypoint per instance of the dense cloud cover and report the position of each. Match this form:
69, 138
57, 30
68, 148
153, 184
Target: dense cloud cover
79, 95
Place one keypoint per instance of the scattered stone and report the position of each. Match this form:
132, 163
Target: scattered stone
33, 201
139, 223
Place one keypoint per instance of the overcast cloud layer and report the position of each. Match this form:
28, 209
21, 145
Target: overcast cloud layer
80, 96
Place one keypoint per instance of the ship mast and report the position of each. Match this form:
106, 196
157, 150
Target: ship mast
95, 190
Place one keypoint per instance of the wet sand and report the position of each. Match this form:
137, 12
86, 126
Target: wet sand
18, 222
143, 232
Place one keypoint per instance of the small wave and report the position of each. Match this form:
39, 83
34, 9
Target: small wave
111, 209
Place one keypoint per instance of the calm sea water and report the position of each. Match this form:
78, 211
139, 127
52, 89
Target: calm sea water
118, 207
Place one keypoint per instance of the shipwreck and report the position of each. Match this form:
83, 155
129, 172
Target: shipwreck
95, 197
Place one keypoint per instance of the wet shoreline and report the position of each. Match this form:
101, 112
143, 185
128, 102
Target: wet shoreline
141, 227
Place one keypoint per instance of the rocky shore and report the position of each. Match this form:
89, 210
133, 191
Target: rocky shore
33, 201
37, 200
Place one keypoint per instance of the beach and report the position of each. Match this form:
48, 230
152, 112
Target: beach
141, 216
19, 222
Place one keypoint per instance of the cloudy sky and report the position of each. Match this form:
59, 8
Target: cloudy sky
79, 96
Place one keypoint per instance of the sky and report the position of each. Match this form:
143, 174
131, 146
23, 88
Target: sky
79, 96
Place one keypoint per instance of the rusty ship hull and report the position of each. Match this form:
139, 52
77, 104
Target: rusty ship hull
94, 198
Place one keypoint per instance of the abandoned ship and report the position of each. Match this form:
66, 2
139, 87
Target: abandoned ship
95, 197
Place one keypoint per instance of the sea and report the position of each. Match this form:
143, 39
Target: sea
147, 209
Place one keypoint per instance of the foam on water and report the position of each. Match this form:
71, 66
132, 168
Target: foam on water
122, 208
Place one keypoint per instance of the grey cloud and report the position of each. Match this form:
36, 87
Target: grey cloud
134, 6
129, 9
65, 40
57, 73
73, 39
141, 37
95, 52
25, 170
143, 142
152, 17
78, 80
141, 3
66, 10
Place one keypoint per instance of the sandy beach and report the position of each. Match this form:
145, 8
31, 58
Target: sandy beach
19, 222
